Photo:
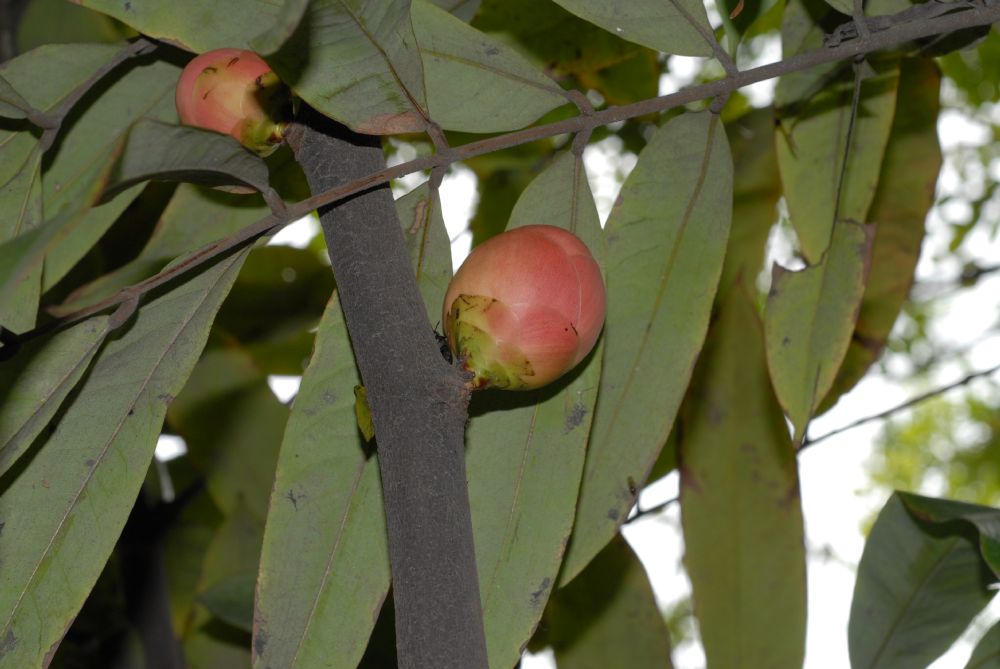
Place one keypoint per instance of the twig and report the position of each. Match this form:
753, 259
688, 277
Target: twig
976, 15
720, 54
913, 401
656, 508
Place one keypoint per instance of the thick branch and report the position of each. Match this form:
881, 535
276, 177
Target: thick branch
419, 405
893, 36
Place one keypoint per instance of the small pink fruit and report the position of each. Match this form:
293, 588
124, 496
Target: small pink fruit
233, 92
525, 307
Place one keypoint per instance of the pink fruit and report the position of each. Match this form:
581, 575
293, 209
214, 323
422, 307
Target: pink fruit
525, 307
233, 92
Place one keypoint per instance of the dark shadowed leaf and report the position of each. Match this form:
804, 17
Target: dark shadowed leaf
357, 61
34, 384
809, 320
903, 198
921, 580
21, 213
743, 532
232, 424
665, 238
277, 33
814, 108
664, 25
325, 565
166, 152
475, 82
65, 507
987, 652
526, 450
608, 617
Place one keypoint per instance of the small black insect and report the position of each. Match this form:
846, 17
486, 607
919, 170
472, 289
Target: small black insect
443, 347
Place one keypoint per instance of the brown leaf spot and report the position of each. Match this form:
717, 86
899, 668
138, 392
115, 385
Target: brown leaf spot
391, 124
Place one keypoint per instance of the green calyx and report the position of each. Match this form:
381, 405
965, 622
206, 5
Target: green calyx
494, 364
263, 134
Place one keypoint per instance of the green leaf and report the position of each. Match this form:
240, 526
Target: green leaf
921, 580
814, 110
809, 319
904, 196
427, 241
165, 152
34, 384
325, 562
232, 424
463, 9
526, 450
608, 617
61, 22
476, 83
231, 600
283, 27
65, 507
21, 209
665, 239
987, 652
357, 61
664, 25
740, 506
12, 104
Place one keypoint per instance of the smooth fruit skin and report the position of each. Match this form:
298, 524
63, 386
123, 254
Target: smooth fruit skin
234, 92
525, 307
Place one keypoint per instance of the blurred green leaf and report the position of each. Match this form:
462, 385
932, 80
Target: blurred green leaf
166, 152
987, 652
814, 110
476, 83
463, 9
739, 15
231, 600
902, 201
34, 384
64, 508
740, 506
357, 62
665, 239
325, 563
427, 240
809, 319
526, 450
608, 617
976, 73
61, 22
664, 26
922, 579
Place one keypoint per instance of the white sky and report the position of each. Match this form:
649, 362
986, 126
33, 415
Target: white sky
832, 473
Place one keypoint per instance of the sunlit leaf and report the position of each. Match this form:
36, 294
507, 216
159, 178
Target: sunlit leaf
903, 198
34, 384
921, 580
665, 238
608, 616
475, 82
526, 450
65, 507
740, 506
664, 25
809, 319
814, 110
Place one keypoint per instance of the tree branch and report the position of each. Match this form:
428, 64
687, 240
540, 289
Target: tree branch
975, 14
419, 404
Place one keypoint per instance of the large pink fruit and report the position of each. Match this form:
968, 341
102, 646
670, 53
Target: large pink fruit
525, 307
233, 92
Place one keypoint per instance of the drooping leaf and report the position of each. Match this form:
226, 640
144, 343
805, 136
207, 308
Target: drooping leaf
809, 319
427, 240
987, 652
923, 576
475, 83
34, 384
526, 450
166, 152
665, 239
664, 25
814, 110
903, 198
283, 26
324, 567
64, 509
357, 61
608, 617
740, 506
232, 424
